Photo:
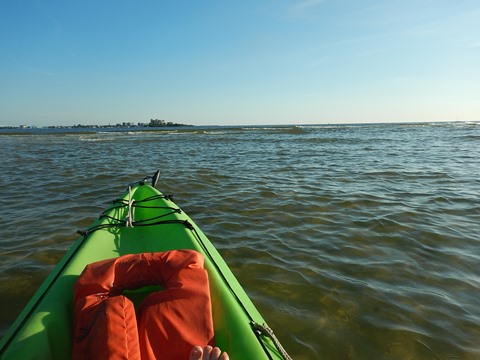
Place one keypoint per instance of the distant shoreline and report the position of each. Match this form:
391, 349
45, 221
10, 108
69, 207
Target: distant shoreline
163, 125
154, 123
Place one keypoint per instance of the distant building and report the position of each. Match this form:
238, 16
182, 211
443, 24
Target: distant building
157, 122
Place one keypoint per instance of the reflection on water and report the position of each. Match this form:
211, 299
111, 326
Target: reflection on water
353, 241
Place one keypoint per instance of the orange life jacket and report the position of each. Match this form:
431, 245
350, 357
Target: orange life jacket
168, 323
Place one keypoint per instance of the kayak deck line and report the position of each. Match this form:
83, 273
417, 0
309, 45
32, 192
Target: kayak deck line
267, 331
131, 222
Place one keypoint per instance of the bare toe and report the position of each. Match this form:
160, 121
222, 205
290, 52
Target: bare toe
196, 353
215, 355
207, 350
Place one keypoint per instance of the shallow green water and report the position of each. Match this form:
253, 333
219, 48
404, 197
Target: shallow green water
355, 242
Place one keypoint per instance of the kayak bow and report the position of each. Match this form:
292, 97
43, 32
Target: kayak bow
142, 220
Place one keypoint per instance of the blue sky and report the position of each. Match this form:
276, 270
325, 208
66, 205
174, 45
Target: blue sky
239, 62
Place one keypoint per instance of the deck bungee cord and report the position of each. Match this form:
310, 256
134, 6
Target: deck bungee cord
131, 210
130, 218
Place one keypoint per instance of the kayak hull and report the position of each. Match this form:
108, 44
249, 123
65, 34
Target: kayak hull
44, 328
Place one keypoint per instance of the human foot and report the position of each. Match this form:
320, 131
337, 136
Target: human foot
208, 353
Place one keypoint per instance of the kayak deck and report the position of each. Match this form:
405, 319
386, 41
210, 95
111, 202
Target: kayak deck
143, 220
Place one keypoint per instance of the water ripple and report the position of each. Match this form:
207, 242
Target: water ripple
353, 241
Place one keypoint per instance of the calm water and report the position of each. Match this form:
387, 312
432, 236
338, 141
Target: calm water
355, 242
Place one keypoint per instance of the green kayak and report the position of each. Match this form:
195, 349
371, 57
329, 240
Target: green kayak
142, 220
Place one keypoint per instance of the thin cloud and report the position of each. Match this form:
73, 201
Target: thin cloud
300, 7
56, 26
